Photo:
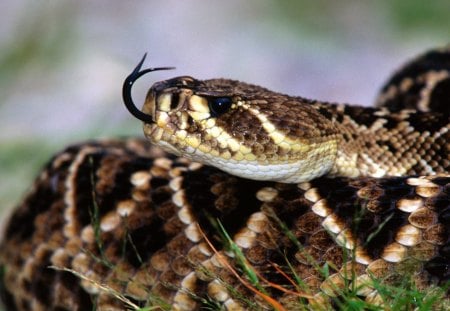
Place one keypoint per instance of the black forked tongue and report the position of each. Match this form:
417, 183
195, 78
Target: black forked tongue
128, 84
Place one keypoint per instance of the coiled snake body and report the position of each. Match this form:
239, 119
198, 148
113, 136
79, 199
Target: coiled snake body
297, 204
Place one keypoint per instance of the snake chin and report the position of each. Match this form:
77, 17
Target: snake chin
285, 172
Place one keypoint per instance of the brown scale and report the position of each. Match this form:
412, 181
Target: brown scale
404, 88
155, 233
394, 142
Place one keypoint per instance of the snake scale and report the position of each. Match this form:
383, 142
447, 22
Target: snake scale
263, 201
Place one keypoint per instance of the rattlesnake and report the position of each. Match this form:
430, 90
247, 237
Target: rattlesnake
117, 224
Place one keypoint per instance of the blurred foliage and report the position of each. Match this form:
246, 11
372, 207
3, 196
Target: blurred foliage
326, 17
419, 15
42, 39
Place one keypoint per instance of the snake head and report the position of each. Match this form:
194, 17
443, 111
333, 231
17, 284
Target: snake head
243, 129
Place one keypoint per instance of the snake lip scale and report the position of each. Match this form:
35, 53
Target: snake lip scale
321, 202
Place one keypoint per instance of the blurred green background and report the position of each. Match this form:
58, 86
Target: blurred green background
62, 63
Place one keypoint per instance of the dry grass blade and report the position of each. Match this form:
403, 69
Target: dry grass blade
276, 305
102, 287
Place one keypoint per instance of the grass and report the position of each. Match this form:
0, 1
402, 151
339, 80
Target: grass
404, 295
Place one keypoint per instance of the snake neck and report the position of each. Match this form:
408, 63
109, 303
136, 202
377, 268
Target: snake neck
379, 142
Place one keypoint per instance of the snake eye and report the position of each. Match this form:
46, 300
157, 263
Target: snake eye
219, 105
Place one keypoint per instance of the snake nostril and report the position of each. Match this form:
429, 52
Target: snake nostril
174, 101
190, 121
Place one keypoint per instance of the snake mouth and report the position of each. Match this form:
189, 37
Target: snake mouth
162, 110
172, 126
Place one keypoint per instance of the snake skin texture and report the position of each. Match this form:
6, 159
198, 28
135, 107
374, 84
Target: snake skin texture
117, 224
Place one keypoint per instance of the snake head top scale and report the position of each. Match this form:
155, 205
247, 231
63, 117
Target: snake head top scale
240, 128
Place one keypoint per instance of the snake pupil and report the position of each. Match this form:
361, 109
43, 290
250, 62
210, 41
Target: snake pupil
174, 101
219, 105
